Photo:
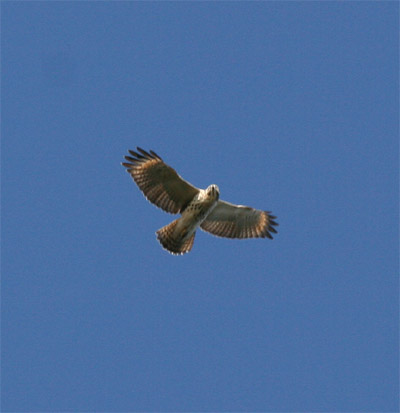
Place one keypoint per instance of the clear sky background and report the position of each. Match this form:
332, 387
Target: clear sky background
287, 106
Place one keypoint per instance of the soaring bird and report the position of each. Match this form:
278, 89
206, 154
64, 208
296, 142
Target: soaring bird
163, 187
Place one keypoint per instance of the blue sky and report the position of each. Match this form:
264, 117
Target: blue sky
287, 106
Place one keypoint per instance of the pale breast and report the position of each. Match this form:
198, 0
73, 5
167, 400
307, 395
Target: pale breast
198, 210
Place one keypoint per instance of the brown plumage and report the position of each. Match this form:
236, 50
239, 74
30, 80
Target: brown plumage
162, 186
174, 242
238, 221
159, 183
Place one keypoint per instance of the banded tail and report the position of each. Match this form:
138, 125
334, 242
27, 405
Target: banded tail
173, 240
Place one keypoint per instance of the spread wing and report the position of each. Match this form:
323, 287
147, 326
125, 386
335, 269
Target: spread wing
238, 221
159, 183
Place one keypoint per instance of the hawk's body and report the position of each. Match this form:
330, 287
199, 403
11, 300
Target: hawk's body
183, 229
162, 186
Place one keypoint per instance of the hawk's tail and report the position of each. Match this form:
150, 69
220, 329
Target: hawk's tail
174, 240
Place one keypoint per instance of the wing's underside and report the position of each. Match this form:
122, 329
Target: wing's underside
159, 183
238, 221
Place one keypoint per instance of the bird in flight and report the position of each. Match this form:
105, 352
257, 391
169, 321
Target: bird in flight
163, 187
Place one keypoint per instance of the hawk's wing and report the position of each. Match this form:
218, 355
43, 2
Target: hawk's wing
159, 183
238, 221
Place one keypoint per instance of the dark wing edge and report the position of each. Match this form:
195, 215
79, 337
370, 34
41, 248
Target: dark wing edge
160, 184
238, 221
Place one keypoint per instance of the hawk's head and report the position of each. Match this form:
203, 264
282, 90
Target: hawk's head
213, 192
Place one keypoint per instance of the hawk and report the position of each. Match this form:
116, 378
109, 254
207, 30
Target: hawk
202, 208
